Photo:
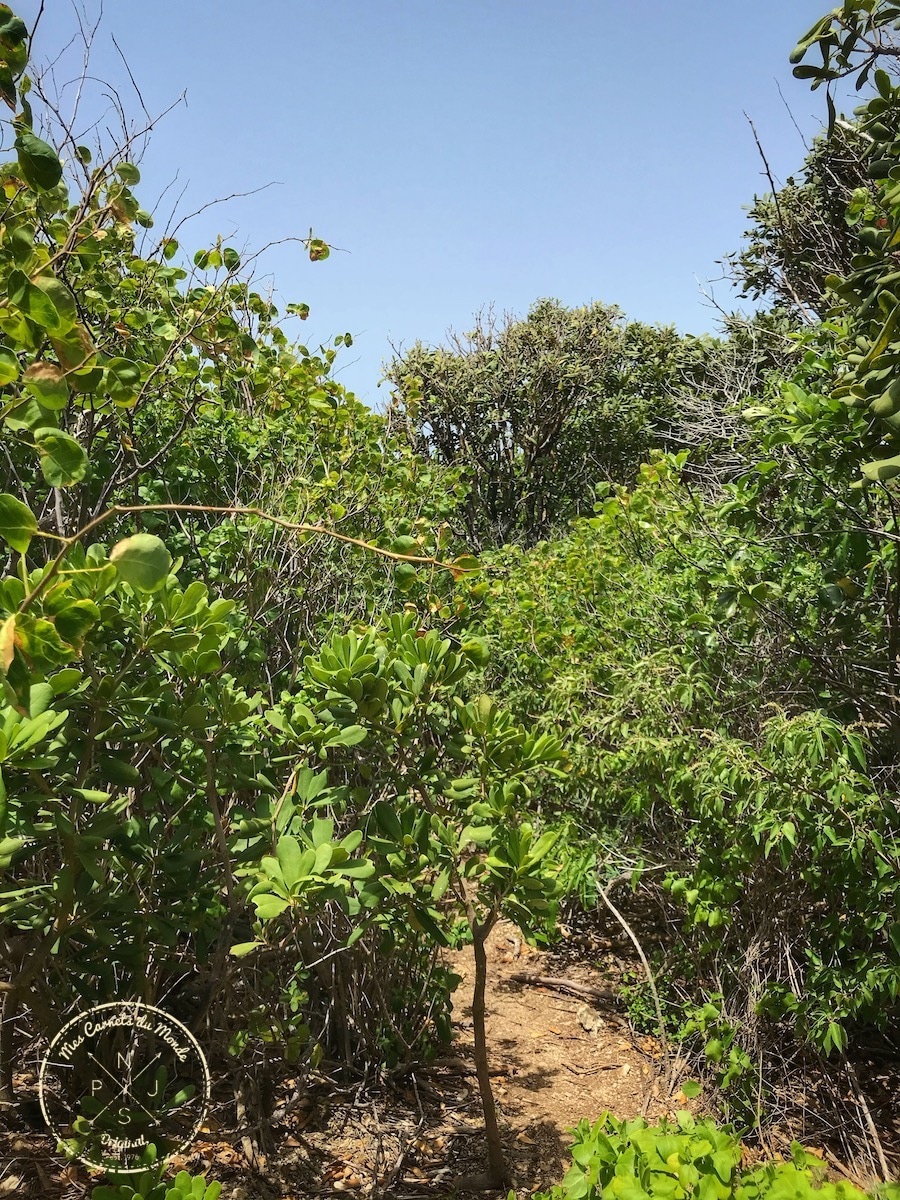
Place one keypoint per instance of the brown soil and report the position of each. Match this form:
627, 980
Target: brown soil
557, 1057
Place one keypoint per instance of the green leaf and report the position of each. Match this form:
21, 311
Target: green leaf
32, 301
350, 735
807, 71
269, 906
481, 835
128, 173
62, 300
404, 576
464, 565
322, 831
691, 1088
143, 561
75, 620
116, 770
324, 855
241, 949
476, 650
356, 869
388, 821
18, 524
9, 367
38, 161
723, 1165
47, 383
63, 460
714, 1050
28, 414
882, 469
422, 920
123, 380
290, 859
13, 30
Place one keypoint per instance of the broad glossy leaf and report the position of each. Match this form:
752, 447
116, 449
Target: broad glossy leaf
269, 906
143, 561
291, 861
388, 821
9, 366
46, 382
63, 460
75, 620
356, 869
322, 831
38, 161
882, 469
74, 349
350, 735
33, 302
61, 298
322, 859
18, 524
13, 30
123, 379
128, 173
241, 949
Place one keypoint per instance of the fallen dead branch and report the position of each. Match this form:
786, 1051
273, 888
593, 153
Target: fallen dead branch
560, 984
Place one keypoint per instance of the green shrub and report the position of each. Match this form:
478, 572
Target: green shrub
631, 1160
183, 1187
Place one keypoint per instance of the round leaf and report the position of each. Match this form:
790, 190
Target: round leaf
123, 379
18, 524
128, 173
46, 382
63, 460
143, 561
38, 161
9, 367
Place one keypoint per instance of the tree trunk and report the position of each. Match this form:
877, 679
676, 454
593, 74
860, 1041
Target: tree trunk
9, 1008
497, 1168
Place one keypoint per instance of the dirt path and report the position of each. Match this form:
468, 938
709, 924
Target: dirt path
556, 1058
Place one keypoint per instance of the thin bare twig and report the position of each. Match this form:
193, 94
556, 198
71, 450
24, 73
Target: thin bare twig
804, 311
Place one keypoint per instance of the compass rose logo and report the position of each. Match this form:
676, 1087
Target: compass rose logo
124, 1084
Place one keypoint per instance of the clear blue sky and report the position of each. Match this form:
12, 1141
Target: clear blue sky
463, 152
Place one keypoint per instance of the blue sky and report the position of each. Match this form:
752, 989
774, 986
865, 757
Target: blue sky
462, 152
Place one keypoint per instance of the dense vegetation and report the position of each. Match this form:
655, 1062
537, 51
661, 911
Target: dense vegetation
243, 642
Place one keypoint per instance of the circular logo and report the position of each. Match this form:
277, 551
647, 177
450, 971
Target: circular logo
123, 1085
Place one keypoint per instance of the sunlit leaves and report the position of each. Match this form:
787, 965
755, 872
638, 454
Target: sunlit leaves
123, 380
143, 561
63, 460
33, 301
128, 173
47, 383
9, 367
882, 470
18, 524
38, 161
